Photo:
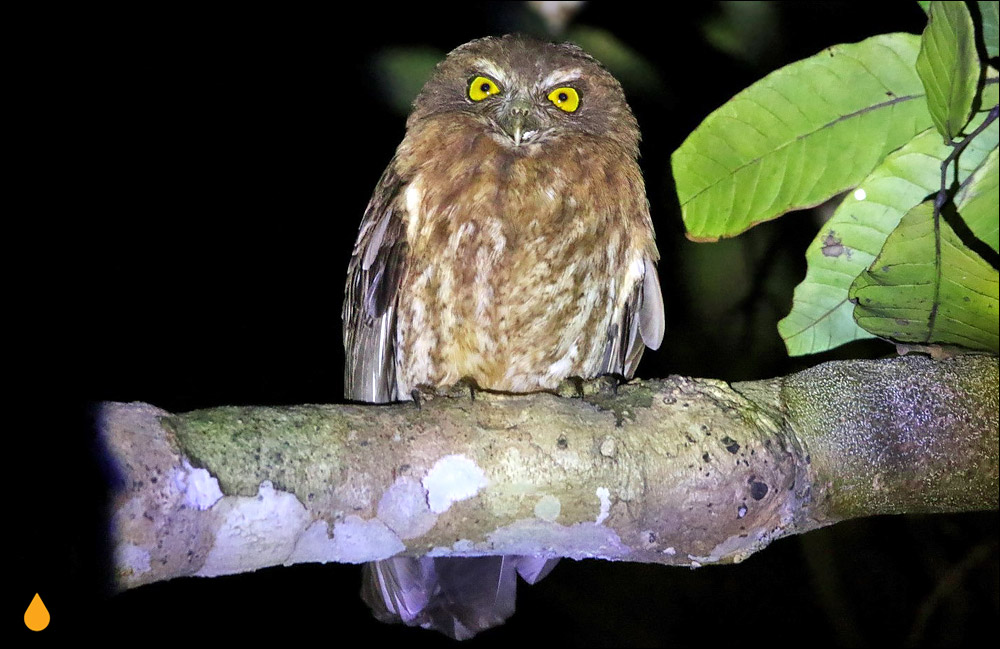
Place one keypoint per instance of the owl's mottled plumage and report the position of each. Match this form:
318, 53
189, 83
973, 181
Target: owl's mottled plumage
508, 243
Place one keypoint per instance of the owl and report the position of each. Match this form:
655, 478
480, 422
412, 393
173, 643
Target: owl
507, 245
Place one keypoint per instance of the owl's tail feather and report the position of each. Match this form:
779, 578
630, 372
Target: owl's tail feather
457, 596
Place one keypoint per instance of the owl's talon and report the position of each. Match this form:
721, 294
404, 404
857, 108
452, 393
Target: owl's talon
469, 386
424, 393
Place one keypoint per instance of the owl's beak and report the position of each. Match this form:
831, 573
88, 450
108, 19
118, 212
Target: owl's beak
518, 121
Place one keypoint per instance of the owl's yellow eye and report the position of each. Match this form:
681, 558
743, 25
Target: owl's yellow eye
481, 88
567, 99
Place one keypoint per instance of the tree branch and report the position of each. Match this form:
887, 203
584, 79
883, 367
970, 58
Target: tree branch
678, 471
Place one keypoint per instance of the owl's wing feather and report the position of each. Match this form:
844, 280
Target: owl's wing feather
370, 304
457, 596
394, 588
641, 326
651, 316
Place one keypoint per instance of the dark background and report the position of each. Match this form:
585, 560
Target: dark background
195, 183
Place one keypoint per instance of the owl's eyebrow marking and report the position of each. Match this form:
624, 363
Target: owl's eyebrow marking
491, 69
558, 77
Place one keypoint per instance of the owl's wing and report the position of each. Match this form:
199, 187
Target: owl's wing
641, 326
652, 321
458, 596
371, 296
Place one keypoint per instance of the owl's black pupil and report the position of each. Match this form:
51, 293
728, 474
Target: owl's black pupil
563, 96
485, 87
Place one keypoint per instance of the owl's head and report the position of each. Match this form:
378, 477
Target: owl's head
527, 92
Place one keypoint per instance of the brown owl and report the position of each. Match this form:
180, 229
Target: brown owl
507, 244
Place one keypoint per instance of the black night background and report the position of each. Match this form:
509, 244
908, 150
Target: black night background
195, 182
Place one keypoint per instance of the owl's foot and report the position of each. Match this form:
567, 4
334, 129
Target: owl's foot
465, 388
606, 385
575, 387
425, 393
571, 388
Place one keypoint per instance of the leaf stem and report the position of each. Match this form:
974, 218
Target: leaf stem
942, 198
957, 149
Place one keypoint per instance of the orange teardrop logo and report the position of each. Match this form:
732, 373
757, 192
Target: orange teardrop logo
36, 617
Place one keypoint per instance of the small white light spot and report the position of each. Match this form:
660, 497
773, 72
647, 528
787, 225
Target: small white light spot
860, 194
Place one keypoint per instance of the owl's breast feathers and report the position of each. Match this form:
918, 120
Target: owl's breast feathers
522, 266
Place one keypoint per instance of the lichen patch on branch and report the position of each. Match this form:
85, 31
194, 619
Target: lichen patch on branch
605, 497
578, 541
254, 532
451, 479
201, 489
547, 508
404, 508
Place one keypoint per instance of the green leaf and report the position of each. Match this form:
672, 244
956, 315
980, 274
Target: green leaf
800, 135
821, 317
990, 12
926, 286
991, 88
977, 201
925, 5
949, 66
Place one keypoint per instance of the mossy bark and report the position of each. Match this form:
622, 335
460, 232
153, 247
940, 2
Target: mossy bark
678, 471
